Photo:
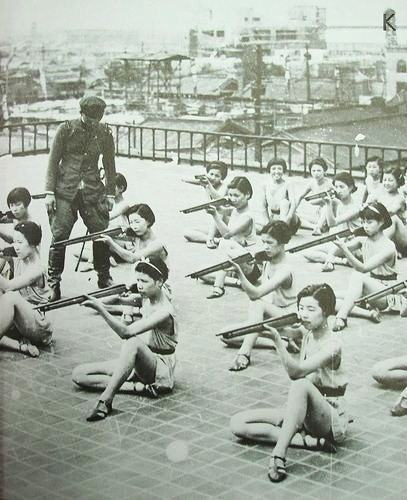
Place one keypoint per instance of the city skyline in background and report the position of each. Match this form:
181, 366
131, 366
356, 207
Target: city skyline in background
172, 20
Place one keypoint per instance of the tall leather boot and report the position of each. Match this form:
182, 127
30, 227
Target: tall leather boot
56, 263
101, 263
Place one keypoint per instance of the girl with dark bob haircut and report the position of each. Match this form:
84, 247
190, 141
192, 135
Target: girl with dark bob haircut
277, 199
215, 187
315, 410
272, 296
373, 271
28, 287
143, 243
18, 200
147, 360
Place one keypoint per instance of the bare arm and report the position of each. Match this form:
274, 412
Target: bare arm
365, 267
129, 256
256, 292
18, 282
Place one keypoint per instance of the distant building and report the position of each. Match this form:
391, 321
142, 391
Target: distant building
396, 70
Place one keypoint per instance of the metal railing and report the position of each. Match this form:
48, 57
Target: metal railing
247, 152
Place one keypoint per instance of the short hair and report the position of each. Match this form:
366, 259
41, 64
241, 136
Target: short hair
242, 184
31, 232
154, 267
318, 161
347, 179
278, 230
397, 173
143, 210
323, 294
277, 161
19, 194
375, 159
121, 182
376, 211
218, 165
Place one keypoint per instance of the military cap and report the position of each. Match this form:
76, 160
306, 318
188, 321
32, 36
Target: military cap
92, 106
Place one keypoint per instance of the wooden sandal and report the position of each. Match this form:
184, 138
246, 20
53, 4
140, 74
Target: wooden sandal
25, 347
100, 411
277, 471
217, 292
240, 365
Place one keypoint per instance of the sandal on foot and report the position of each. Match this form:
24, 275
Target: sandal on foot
328, 267
400, 408
217, 291
27, 348
241, 362
277, 471
149, 390
339, 324
375, 316
100, 411
211, 244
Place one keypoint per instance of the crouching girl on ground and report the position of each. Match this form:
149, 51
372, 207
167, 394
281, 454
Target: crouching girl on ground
315, 407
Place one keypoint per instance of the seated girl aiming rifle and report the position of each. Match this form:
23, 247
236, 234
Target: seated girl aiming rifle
147, 359
275, 293
28, 287
375, 271
144, 243
315, 407
215, 188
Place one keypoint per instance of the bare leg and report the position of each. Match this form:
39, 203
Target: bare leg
391, 372
305, 405
196, 235
135, 354
359, 285
97, 375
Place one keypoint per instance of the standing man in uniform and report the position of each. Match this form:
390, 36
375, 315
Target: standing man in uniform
73, 185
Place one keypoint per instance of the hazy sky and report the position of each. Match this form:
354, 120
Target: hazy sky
174, 16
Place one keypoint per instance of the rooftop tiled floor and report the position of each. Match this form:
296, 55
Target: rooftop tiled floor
180, 445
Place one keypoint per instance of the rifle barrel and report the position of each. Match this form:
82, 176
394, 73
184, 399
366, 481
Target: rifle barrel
319, 241
58, 304
217, 203
278, 322
382, 293
89, 237
38, 196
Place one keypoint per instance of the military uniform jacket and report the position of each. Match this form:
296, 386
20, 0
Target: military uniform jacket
73, 161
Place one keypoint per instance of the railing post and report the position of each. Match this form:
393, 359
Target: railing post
350, 159
217, 147
153, 134
191, 142
117, 139
179, 146
231, 153
399, 158
47, 136
305, 158
35, 137
204, 149
22, 138
141, 142
289, 157
335, 154
9, 140
128, 141
165, 143
245, 155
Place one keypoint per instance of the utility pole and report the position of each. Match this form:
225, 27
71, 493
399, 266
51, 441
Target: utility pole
257, 93
307, 56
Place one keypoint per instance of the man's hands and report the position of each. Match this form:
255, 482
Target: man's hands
50, 203
93, 303
110, 203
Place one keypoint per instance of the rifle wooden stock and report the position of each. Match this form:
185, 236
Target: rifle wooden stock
397, 287
278, 322
325, 239
6, 217
39, 196
58, 304
322, 194
222, 266
8, 252
200, 177
89, 237
219, 202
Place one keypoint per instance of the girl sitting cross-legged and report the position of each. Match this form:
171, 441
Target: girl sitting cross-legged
315, 408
